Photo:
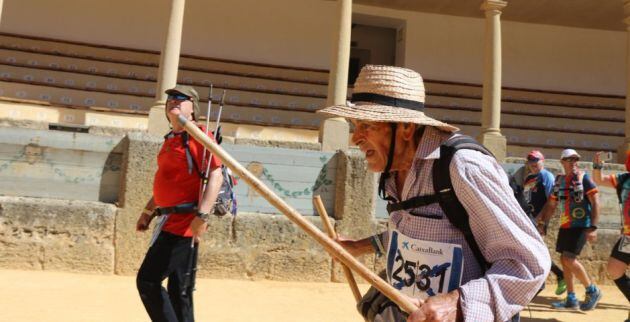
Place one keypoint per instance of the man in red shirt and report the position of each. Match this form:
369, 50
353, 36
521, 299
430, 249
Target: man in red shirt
177, 196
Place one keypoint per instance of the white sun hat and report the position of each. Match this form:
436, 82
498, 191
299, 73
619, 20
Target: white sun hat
567, 153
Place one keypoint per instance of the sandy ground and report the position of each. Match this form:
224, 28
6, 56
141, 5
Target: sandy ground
57, 296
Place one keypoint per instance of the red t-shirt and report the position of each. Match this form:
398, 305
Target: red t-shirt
173, 185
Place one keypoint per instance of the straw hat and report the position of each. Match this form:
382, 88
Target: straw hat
388, 94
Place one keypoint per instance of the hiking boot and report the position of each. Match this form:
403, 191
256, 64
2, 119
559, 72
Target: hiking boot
591, 299
562, 287
568, 303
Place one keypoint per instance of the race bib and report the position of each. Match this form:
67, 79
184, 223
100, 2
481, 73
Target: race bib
624, 244
420, 268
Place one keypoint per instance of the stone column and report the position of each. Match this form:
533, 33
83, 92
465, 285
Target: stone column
1, 5
491, 104
625, 146
334, 132
169, 64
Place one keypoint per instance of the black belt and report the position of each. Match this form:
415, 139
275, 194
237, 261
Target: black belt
184, 208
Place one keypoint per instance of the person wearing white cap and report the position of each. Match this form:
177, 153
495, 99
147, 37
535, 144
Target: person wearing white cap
457, 238
577, 197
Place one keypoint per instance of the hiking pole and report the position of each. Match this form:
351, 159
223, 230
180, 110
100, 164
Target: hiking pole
328, 243
220, 110
216, 129
191, 272
189, 279
204, 183
323, 214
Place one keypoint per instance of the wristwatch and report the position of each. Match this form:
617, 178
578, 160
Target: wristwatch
598, 166
203, 215
593, 227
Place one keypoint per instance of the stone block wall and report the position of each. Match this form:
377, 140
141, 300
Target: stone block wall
139, 165
250, 245
53, 234
39, 233
262, 246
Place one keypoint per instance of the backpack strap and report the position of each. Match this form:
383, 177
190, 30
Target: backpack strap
443, 186
192, 164
445, 194
411, 203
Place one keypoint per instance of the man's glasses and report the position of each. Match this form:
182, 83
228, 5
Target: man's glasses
571, 159
178, 97
533, 160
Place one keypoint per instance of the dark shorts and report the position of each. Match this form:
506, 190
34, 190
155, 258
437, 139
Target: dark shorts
624, 257
571, 241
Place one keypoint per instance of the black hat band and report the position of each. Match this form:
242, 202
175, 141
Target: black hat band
388, 100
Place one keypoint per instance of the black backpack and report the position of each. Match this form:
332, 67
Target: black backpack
374, 306
445, 194
226, 199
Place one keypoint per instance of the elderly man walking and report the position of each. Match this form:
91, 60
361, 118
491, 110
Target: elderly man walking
457, 237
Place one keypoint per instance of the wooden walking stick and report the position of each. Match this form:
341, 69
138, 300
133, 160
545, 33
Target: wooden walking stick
329, 244
317, 200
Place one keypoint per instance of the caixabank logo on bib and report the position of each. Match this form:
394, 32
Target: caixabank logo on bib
423, 250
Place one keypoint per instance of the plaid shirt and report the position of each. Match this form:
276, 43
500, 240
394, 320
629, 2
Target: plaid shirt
520, 260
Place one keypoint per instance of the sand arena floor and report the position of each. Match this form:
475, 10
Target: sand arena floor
58, 296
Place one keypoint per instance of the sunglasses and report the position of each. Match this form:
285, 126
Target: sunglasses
532, 160
571, 159
178, 97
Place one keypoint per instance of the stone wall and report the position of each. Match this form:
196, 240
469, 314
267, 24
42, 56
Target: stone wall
139, 164
250, 245
54, 234
262, 246
38, 233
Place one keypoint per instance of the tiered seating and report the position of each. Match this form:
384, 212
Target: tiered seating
122, 80
530, 119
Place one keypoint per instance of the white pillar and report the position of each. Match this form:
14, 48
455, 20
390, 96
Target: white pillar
1, 5
625, 146
334, 132
169, 65
491, 103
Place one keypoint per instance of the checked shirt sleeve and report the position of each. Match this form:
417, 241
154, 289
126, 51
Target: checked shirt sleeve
520, 260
